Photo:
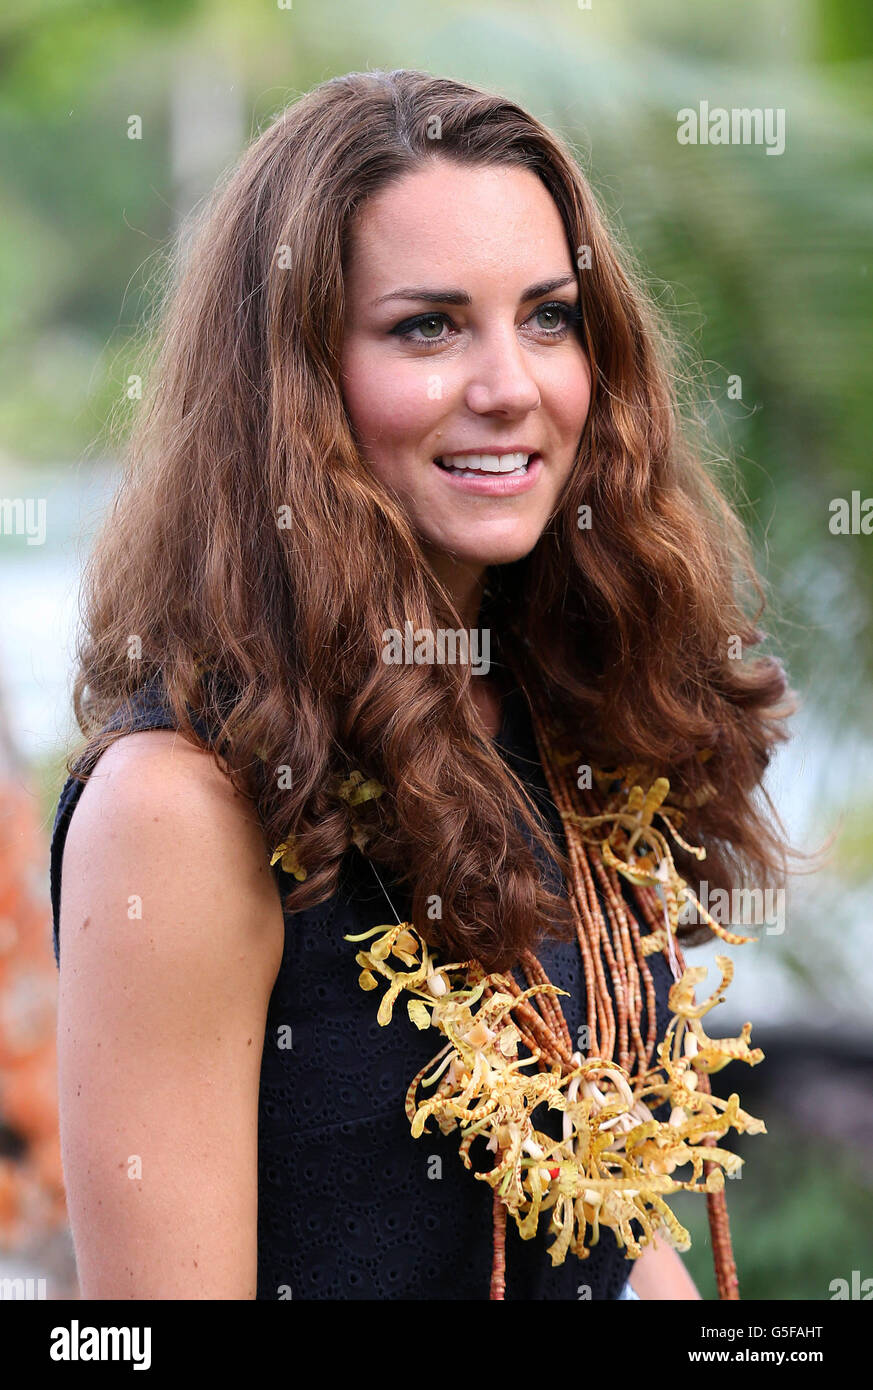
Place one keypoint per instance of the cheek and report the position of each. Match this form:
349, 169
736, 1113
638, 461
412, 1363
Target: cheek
387, 402
573, 395
569, 404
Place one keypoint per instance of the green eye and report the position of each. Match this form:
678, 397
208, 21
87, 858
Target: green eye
415, 330
428, 328
569, 316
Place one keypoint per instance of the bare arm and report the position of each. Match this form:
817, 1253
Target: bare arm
659, 1273
161, 1021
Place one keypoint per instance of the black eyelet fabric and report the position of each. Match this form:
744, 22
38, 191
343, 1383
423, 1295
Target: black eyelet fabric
350, 1206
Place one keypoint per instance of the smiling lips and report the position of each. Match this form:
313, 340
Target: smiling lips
505, 474
465, 465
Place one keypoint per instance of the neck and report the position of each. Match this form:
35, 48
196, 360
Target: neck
464, 583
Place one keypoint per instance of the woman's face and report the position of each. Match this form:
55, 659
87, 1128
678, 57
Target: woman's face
460, 338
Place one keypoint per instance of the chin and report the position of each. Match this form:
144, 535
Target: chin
503, 551
481, 558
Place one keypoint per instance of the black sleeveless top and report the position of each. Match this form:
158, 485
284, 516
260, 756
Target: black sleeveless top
350, 1206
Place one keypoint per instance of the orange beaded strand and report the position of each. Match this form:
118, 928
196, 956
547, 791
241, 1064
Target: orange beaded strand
544, 1028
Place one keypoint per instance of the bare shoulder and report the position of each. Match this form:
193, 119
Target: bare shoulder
158, 802
171, 936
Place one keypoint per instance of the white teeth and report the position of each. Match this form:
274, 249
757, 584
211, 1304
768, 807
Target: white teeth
486, 463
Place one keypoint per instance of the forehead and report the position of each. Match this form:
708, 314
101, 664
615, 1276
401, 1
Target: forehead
458, 219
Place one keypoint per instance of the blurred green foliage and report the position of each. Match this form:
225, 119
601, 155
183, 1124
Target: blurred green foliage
798, 1216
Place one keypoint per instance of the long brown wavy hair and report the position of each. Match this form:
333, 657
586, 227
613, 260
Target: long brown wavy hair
251, 561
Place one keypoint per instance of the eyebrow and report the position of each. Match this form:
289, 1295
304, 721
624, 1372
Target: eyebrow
442, 296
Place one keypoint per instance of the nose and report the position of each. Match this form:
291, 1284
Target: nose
501, 381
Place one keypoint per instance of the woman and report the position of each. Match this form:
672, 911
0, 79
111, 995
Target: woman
407, 387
